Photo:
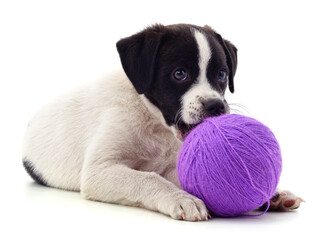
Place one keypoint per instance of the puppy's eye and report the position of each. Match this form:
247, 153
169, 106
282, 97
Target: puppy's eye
222, 76
180, 74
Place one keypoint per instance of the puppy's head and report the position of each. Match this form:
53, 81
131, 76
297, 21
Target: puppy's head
183, 70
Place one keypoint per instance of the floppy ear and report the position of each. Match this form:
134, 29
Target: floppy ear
232, 60
138, 55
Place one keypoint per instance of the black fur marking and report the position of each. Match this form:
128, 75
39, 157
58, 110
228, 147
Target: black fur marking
178, 50
263, 207
29, 167
273, 199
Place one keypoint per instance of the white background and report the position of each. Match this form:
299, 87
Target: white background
49, 47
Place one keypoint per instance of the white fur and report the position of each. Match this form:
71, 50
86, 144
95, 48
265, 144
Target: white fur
204, 55
112, 145
192, 108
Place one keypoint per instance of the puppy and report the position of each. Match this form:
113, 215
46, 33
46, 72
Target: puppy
117, 139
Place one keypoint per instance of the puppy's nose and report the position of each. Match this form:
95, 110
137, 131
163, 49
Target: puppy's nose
213, 107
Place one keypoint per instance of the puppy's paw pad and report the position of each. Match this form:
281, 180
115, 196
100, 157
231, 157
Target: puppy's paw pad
288, 203
285, 201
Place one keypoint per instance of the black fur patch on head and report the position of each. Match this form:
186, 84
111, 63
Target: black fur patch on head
178, 50
29, 167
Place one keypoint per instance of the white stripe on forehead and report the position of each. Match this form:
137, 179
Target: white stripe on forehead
204, 54
192, 107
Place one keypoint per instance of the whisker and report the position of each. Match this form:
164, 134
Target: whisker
238, 108
237, 111
177, 118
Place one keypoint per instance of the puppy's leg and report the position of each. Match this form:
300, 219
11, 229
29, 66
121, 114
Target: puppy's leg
283, 201
105, 178
117, 183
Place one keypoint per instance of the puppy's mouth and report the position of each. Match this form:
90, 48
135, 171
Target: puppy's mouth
184, 129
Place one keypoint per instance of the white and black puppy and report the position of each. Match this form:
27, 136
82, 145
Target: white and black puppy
117, 139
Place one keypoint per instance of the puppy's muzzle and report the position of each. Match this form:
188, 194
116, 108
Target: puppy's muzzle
213, 107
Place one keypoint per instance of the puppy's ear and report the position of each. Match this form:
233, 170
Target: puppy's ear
232, 60
138, 55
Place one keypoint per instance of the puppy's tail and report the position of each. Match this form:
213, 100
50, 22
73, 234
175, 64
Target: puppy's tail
37, 177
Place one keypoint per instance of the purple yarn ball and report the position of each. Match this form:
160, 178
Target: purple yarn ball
231, 162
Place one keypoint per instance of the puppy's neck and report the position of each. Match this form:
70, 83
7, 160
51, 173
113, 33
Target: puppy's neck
154, 111
157, 114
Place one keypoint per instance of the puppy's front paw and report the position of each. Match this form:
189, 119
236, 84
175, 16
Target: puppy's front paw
284, 201
183, 206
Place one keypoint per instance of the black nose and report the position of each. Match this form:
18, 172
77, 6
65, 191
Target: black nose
213, 107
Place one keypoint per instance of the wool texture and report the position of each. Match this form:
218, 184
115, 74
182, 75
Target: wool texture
231, 162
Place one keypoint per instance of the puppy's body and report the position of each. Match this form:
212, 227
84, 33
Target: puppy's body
117, 139
107, 112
